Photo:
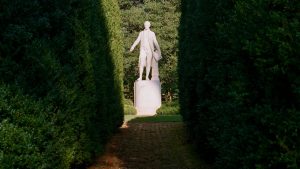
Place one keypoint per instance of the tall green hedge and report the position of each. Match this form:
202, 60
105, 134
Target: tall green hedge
239, 81
61, 93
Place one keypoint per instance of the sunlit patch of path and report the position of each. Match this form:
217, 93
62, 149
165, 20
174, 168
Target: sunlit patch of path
149, 145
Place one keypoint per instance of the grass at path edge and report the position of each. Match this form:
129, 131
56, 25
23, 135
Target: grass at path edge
152, 119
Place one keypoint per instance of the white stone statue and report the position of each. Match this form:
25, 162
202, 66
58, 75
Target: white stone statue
150, 52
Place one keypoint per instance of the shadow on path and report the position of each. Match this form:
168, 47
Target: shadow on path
150, 143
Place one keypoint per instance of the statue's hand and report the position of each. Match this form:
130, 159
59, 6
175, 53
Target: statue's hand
131, 49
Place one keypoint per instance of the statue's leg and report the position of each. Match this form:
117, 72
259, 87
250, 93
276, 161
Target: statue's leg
148, 66
142, 62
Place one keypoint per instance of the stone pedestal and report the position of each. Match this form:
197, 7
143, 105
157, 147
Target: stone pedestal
147, 97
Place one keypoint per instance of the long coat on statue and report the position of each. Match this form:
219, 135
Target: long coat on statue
148, 46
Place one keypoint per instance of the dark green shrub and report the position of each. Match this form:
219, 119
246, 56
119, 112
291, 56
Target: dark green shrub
239, 89
29, 138
65, 60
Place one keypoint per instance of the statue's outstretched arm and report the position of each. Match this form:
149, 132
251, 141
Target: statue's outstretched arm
137, 41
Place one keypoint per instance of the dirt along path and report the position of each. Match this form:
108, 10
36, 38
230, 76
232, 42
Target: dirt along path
149, 145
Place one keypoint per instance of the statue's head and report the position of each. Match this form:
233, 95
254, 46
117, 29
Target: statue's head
147, 25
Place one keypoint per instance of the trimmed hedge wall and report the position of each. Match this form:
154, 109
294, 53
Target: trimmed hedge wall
239, 81
61, 93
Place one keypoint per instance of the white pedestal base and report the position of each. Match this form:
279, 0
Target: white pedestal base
147, 97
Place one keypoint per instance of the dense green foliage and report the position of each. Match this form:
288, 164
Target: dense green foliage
61, 93
168, 108
164, 17
239, 81
129, 108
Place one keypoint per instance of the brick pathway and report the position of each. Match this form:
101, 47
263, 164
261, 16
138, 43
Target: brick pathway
149, 146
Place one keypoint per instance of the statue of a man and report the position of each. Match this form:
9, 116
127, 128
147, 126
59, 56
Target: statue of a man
148, 47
